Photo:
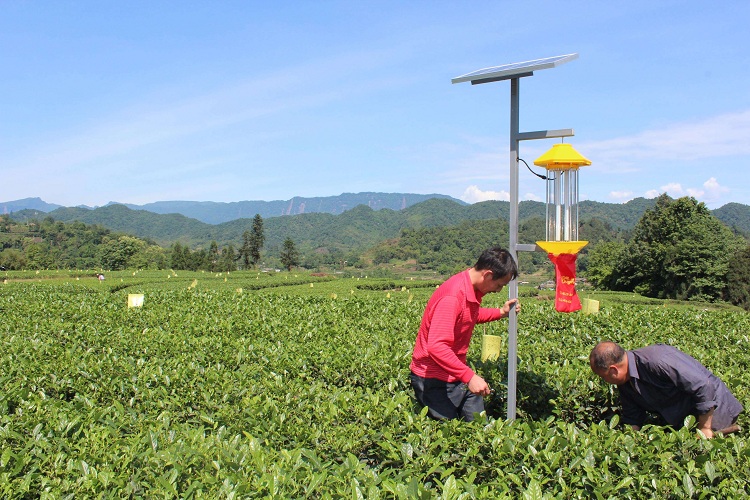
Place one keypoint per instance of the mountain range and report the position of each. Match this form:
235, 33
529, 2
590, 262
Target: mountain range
212, 212
330, 222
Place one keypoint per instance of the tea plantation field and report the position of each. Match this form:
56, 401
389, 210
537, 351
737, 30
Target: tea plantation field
286, 385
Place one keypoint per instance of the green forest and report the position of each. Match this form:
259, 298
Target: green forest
662, 248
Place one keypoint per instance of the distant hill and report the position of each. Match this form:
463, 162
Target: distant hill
736, 216
162, 228
356, 228
619, 215
359, 227
212, 212
27, 204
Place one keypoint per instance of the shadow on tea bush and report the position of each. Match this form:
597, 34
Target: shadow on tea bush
533, 394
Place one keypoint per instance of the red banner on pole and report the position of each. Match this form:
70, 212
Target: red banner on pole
566, 298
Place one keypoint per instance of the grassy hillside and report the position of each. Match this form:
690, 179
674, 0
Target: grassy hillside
360, 227
735, 216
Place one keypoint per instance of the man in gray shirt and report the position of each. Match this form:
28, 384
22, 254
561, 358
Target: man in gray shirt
664, 380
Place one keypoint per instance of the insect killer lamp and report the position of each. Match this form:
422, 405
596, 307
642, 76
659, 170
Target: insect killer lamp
562, 244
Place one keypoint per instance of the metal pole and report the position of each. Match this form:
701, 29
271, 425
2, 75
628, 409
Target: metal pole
513, 285
514, 72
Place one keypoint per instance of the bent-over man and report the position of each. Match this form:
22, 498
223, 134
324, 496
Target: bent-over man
664, 380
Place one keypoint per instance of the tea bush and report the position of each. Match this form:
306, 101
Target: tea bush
217, 389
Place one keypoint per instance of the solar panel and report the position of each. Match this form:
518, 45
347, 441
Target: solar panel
513, 70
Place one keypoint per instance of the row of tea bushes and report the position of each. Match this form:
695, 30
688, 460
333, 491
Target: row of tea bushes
214, 393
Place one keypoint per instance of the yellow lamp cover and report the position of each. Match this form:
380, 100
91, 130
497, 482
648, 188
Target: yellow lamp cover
562, 157
561, 247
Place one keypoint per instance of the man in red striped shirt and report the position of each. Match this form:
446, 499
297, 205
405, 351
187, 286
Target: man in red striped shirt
441, 379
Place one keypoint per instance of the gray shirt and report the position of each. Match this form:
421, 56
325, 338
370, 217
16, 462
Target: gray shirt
667, 381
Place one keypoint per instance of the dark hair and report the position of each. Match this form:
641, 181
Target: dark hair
499, 261
606, 354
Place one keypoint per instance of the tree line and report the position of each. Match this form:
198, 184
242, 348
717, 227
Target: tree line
677, 250
50, 244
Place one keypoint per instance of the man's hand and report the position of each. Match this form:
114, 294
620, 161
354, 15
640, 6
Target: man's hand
478, 386
505, 310
707, 432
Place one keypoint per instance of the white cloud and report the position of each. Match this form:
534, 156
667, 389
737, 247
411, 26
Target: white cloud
473, 194
621, 195
673, 189
711, 191
532, 197
707, 139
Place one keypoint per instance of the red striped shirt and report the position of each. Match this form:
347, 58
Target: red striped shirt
445, 332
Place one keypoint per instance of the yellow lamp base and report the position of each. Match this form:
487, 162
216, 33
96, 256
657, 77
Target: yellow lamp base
561, 247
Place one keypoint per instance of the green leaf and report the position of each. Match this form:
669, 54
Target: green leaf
533, 491
687, 485
710, 471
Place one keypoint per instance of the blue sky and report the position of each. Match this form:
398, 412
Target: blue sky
141, 101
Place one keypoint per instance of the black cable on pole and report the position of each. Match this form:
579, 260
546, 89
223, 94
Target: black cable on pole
544, 177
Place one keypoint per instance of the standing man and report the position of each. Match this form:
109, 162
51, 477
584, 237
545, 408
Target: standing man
441, 379
662, 379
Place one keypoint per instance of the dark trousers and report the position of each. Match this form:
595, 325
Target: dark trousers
446, 400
